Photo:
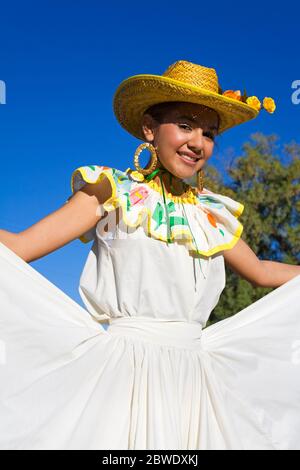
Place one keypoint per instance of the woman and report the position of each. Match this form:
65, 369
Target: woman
155, 379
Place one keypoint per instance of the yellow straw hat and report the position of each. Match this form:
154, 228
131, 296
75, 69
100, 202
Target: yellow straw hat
186, 82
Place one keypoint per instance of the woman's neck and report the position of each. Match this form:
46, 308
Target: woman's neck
179, 187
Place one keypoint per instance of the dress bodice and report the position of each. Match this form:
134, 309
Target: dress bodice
132, 270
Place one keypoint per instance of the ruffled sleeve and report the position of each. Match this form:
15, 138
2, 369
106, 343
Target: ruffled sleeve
217, 215
94, 174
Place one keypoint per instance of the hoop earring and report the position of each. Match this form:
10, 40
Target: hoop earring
200, 180
138, 175
153, 163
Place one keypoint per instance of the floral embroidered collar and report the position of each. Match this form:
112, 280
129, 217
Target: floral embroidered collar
188, 196
205, 224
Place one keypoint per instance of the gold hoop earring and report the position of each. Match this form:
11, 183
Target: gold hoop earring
138, 175
153, 163
200, 180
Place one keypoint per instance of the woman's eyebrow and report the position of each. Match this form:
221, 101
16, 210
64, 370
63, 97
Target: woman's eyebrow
192, 119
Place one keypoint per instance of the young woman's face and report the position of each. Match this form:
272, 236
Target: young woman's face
186, 129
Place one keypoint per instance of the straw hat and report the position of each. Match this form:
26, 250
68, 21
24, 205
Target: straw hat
182, 81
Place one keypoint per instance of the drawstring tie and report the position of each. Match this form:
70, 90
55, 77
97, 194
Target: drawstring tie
169, 240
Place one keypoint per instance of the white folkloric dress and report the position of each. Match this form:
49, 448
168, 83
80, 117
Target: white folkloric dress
156, 378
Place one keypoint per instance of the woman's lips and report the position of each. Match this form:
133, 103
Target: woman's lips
187, 160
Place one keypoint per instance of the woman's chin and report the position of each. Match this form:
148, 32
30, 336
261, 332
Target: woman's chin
183, 172
191, 180
186, 173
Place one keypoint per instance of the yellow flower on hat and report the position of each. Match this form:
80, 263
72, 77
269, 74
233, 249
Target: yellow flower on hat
254, 102
269, 104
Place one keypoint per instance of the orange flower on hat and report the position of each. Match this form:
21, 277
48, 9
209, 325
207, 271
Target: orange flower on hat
269, 104
254, 102
234, 94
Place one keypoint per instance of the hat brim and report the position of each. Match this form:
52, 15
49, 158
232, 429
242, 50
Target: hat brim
137, 93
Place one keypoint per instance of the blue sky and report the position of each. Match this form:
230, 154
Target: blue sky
62, 60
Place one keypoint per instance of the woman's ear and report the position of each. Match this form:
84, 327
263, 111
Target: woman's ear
148, 127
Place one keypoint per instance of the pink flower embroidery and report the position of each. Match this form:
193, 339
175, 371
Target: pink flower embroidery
136, 195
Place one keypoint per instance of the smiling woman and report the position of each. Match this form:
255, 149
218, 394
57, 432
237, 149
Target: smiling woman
158, 377
183, 134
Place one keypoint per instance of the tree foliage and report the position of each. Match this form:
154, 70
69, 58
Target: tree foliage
268, 184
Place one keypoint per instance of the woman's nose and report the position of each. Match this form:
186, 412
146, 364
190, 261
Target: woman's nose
196, 142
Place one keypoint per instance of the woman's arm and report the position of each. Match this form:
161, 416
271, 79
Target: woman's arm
260, 273
82, 212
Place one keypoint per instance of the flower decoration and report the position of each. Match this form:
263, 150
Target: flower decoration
212, 220
253, 101
269, 105
135, 175
137, 195
235, 95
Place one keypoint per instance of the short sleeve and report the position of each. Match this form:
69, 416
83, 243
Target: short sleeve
94, 174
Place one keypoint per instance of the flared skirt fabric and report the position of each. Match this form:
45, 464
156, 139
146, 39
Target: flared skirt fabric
68, 383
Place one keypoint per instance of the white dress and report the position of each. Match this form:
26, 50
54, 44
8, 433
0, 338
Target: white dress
156, 378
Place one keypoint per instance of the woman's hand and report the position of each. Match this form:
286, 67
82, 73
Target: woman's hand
260, 273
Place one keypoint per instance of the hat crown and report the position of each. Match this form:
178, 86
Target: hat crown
183, 81
193, 74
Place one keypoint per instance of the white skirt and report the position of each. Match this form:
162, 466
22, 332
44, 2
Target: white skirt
67, 383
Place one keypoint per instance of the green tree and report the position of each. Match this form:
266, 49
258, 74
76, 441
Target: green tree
268, 184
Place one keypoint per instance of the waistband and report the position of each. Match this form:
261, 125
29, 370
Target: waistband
176, 333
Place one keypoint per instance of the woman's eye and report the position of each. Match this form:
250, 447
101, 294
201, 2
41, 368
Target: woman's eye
210, 135
185, 126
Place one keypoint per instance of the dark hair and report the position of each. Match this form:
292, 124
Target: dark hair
157, 111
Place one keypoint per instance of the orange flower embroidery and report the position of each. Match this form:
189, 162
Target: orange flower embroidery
212, 220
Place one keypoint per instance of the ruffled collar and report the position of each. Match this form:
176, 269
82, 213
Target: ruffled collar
206, 224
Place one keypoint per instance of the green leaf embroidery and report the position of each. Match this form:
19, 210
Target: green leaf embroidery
160, 218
